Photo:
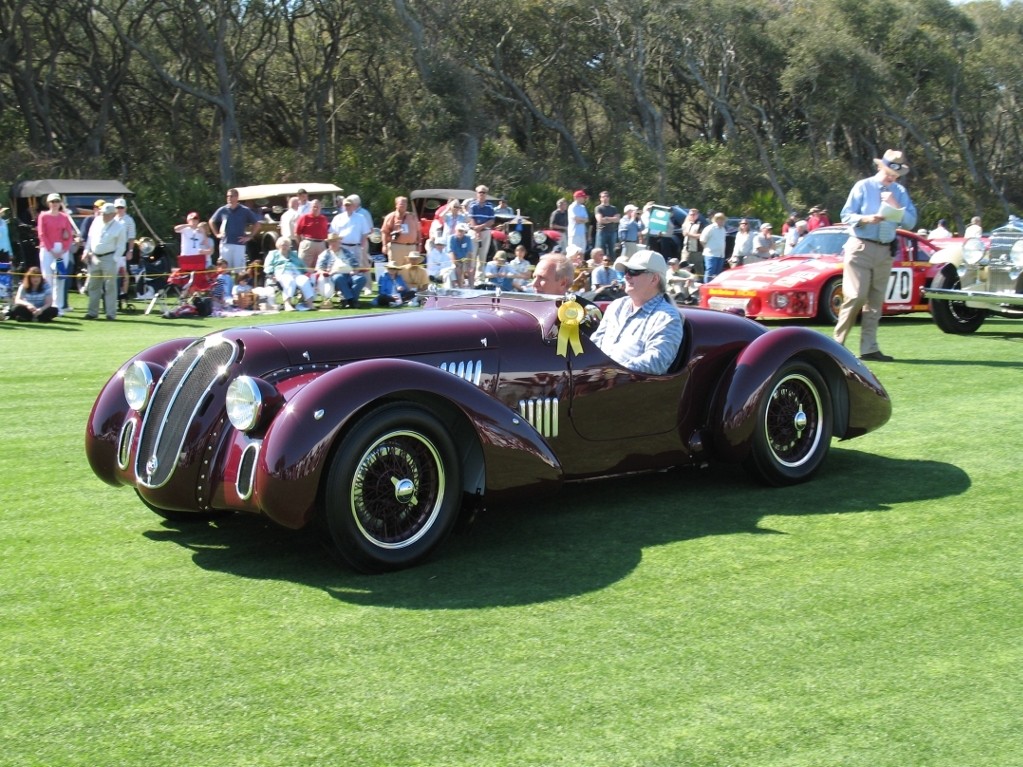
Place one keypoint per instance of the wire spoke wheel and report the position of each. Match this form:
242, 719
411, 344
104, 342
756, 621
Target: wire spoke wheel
793, 428
397, 489
393, 492
792, 421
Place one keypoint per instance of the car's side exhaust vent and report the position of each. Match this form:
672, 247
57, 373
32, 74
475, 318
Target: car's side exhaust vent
470, 371
542, 414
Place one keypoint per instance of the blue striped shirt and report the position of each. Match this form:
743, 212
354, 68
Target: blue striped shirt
645, 339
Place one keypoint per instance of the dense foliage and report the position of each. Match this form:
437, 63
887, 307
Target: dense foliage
752, 106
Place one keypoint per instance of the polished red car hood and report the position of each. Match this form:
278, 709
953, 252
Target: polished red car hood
784, 272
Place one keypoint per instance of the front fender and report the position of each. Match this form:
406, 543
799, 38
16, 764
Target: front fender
859, 401
300, 442
110, 411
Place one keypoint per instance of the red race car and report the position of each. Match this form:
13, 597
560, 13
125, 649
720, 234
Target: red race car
807, 283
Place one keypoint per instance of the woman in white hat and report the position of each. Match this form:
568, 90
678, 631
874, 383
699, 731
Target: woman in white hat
56, 233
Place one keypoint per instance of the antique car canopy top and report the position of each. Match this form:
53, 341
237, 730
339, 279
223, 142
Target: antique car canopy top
261, 191
63, 186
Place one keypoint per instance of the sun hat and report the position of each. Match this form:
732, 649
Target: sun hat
53, 197
893, 161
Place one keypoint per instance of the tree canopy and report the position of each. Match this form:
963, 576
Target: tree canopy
751, 106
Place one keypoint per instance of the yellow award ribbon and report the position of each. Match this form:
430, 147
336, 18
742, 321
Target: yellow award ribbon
570, 314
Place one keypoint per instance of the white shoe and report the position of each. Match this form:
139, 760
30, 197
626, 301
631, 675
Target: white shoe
288, 307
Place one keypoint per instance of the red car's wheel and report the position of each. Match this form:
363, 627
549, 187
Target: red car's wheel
394, 489
830, 301
793, 428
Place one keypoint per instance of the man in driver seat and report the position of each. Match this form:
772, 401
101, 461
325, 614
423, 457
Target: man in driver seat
642, 330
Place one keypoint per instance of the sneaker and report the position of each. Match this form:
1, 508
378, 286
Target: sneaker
300, 307
288, 307
877, 356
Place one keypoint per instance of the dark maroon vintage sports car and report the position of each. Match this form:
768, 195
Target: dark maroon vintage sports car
382, 429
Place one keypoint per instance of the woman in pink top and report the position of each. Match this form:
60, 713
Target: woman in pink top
56, 233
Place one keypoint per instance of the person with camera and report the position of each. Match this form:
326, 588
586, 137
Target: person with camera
400, 232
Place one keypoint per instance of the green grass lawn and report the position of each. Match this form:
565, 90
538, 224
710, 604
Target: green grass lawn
871, 618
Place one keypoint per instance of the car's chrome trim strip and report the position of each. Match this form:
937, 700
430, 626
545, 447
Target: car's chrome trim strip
975, 296
247, 471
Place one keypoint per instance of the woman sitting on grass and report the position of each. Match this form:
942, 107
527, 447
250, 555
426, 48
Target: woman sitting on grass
34, 301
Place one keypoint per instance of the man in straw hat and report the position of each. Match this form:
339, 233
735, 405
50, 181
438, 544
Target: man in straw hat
876, 206
392, 288
642, 330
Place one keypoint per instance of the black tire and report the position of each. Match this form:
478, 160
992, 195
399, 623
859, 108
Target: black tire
394, 491
793, 429
830, 301
954, 316
185, 516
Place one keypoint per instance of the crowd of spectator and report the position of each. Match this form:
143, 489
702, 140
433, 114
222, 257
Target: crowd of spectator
322, 257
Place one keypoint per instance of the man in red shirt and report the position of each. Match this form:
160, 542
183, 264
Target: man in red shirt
311, 230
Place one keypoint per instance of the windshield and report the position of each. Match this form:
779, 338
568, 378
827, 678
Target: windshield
820, 244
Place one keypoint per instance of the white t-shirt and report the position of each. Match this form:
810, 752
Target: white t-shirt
192, 241
288, 220
577, 229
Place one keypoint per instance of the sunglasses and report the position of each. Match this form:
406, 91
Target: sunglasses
895, 165
635, 272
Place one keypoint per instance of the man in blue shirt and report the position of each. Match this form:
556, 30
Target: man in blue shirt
392, 288
642, 330
876, 206
459, 248
481, 221
231, 224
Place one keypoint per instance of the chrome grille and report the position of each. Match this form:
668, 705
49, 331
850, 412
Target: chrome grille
176, 401
542, 414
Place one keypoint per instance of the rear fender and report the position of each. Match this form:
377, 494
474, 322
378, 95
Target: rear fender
859, 402
500, 451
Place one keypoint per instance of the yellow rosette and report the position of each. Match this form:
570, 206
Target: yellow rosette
570, 314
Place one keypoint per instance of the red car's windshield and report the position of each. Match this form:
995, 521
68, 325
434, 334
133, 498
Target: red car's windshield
820, 244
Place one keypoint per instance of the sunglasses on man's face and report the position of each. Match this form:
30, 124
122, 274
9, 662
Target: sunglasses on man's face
635, 272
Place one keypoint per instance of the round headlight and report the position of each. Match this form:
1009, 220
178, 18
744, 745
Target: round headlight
1016, 253
244, 403
539, 237
514, 237
973, 251
138, 385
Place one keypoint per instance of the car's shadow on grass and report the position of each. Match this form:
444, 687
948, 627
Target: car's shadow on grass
579, 540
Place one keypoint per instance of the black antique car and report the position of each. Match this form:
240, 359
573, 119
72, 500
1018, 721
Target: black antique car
28, 199
382, 430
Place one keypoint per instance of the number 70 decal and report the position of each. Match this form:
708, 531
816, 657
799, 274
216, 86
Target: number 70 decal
900, 287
